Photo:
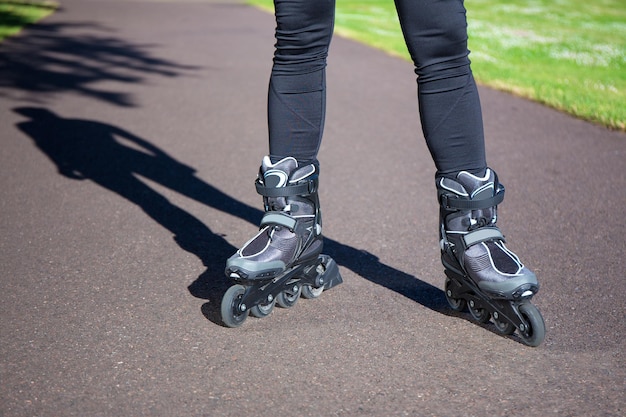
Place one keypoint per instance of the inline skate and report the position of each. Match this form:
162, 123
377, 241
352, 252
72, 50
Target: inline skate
482, 273
283, 260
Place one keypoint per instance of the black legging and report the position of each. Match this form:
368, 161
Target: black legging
435, 32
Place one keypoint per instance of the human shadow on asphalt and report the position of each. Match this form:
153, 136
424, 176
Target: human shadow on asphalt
78, 57
116, 159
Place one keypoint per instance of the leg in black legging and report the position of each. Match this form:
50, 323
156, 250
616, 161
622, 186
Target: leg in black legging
436, 36
297, 90
473, 250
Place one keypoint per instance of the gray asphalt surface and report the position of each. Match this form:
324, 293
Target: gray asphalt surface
131, 136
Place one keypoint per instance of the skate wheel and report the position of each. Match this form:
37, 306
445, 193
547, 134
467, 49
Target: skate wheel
262, 310
503, 327
536, 331
479, 314
231, 309
309, 291
456, 304
289, 297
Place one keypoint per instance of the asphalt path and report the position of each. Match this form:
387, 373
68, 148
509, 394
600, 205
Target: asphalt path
131, 135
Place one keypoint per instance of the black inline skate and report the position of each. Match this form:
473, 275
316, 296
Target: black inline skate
482, 273
283, 260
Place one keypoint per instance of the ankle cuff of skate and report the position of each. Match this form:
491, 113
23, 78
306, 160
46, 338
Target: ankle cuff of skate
451, 201
290, 190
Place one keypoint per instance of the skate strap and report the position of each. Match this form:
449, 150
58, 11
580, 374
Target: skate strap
450, 201
290, 190
283, 219
482, 235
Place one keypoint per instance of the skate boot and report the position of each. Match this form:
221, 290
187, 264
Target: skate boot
482, 272
283, 260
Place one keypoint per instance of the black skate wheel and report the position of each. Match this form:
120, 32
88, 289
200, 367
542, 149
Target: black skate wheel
502, 326
233, 312
289, 297
456, 304
536, 331
481, 315
263, 310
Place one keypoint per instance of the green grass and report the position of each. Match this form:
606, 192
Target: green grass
15, 14
570, 55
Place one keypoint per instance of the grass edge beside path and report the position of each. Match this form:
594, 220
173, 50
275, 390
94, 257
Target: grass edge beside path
17, 14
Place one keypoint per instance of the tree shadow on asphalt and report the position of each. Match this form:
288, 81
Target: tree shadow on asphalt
77, 57
114, 159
